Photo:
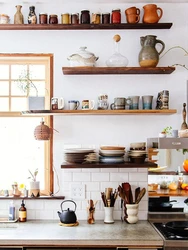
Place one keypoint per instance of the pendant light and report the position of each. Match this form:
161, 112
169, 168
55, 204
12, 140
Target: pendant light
42, 132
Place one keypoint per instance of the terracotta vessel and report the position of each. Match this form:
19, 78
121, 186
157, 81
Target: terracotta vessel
149, 56
18, 17
152, 13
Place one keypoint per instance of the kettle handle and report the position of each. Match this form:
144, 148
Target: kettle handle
163, 46
67, 201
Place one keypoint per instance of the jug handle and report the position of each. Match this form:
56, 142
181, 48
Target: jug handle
161, 13
163, 46
67, 201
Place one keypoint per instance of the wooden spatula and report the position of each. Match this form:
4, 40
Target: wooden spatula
184, 124
140, 195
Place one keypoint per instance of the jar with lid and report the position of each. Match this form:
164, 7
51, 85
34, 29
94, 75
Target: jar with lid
65, 17
74, 18
96, 18
106, 18
85, 17
116, 16
53, 19
180, 180
43, 18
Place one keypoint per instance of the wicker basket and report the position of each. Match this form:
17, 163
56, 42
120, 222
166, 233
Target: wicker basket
42, 132
183, 133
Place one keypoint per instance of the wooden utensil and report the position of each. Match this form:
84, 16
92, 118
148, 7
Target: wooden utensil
137, 191
184, 124
126, 188
140, 195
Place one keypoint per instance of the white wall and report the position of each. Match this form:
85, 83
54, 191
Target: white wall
97, 130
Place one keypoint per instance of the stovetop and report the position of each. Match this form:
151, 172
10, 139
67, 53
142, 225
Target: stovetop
168, 235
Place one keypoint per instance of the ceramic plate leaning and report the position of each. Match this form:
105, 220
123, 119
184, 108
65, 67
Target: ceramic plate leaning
158, 169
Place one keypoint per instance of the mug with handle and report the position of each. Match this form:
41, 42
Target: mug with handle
88, 104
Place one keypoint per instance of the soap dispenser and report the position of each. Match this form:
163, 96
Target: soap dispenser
22, 212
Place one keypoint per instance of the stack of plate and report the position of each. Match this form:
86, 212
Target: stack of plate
137, 156
111, 154
77, 155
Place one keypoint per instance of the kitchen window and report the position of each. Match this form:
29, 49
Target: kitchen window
20, 151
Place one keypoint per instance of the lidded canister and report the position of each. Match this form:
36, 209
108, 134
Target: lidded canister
96, 18
65, 18
85, 17
43, 18
106, 18
75, 18
53, 19
116, 16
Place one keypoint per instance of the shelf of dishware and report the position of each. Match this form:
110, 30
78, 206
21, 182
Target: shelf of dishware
108, 165
99, 112
32, 198
84, 26
115, 70
168, 192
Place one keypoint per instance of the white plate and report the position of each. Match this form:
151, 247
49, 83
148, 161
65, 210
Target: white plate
111, 151
79, 150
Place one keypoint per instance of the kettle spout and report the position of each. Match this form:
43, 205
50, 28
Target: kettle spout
59, 214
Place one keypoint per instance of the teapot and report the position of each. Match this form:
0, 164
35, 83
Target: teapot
67, 216
82, 58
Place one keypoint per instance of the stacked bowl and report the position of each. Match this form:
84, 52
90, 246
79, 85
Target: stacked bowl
111, 154
137, 153
77, 155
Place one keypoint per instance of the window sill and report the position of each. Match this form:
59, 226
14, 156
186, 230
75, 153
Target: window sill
33, 198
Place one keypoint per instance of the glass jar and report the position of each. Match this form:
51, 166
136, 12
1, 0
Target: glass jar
74, 18
65, 18
96, 18
116, 16
4, 19
43, 18
106, 18
53, 19
85, 17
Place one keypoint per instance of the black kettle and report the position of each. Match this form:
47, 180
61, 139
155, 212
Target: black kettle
67, 216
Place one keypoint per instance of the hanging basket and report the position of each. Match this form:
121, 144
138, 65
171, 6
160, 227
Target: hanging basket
42, 132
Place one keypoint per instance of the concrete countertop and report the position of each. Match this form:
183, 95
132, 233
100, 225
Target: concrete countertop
50, 233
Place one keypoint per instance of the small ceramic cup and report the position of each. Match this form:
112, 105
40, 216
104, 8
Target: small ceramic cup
120, 103
134, 102
132, 10
133, 18
88, 104
73, 104
147, 101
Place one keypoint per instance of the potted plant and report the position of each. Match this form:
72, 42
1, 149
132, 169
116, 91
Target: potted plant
25, 83
166, 131
34, 184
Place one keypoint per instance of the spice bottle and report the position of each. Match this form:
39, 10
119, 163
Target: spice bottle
22, 212
11, 211
180, 180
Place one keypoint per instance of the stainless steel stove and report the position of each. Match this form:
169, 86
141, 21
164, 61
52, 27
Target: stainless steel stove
171, 240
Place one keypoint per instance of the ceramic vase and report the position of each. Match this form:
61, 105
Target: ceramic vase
34, 190
32, 18
18, 17
132, 213
108, 215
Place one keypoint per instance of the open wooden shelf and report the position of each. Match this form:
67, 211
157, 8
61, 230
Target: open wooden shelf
99, 112
115, 70
167, 192
108, 165
33, 198
84, 26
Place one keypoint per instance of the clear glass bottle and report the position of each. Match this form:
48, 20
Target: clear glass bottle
180, 180
117, 60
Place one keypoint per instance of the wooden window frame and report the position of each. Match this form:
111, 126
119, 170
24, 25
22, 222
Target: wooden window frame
48, 175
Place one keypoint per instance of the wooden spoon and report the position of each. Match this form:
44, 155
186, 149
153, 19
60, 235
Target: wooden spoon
137, 191
140, 195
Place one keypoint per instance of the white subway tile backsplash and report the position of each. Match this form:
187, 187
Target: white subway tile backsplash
127, 170
44, 215
92, 186
81, 177
137, 177
100, 176
112, 170
121, 177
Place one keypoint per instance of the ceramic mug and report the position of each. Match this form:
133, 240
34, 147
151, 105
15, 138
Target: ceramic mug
134, 102
57, 103
133, 18
102, 102
120, 103
73, 104
88, 104
147, 101
132, 10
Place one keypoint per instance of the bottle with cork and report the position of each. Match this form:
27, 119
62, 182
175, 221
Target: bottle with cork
180, 178
22, 212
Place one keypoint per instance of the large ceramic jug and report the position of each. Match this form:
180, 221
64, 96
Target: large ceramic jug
152, 13
149, 56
